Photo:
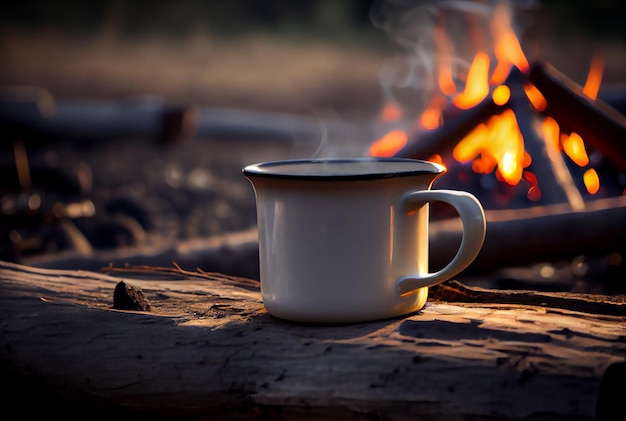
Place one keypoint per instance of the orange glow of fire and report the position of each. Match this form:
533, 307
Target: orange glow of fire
534, 193
497, 144
445, 78
477, 83
389, 144
535, 97
591, 180
438, 159
391, 112
501, 95
507, 49
551, 130
574, 147
431, 117
594, 78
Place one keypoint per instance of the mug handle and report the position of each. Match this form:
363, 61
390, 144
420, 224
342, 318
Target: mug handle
474, 229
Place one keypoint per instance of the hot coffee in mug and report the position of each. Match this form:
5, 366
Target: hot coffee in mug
346, 240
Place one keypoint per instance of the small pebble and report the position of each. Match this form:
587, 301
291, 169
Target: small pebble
129, 297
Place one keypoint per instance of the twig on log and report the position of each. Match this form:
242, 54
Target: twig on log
455, 291
180, 273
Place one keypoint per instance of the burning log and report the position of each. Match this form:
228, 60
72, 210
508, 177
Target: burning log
602, 127
208, 349
457, 123
553, 177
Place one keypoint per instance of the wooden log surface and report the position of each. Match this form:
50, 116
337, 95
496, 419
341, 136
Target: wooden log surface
208, 349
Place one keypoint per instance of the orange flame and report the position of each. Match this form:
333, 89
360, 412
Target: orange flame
497, 144
594, 77
431, 118
507, 49
389, 144
477, 84
501, 95
574, 147
535, 97
592, 181
391, 112
445, 78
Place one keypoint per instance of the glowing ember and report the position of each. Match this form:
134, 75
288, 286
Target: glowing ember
592, 181
501, 95
574, 147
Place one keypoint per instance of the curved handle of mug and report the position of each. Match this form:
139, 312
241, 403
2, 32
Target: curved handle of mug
474, 230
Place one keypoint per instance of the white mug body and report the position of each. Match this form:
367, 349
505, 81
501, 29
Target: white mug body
334, 245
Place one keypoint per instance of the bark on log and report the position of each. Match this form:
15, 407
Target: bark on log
208, 349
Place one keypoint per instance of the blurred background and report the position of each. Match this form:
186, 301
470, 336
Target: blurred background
321, 55
99, 98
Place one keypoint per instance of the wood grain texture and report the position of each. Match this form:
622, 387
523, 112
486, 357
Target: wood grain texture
208, 349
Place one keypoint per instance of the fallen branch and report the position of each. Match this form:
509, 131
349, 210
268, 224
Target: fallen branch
455, 291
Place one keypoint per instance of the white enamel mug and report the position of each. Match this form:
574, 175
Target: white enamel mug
346, 240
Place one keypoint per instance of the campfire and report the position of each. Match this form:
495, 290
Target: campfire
538, 136
543, 153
